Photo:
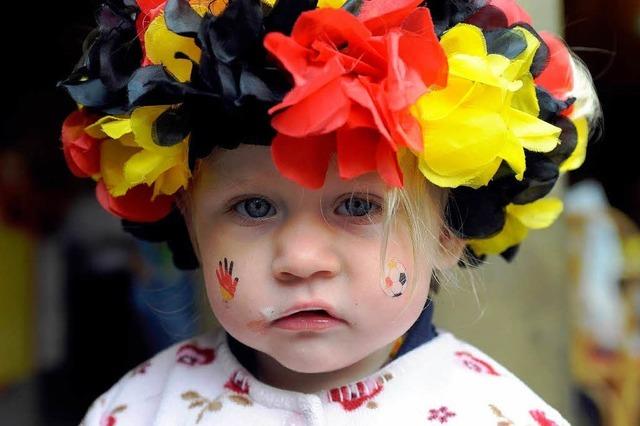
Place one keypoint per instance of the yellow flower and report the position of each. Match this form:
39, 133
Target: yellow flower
519, 219
487, 113
129, 157
161, 46
578, 155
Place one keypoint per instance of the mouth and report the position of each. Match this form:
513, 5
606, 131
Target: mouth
308, 318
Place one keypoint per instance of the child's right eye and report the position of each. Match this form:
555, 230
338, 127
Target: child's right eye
255, 208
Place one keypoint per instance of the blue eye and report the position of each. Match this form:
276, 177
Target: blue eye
355, 206
256, 208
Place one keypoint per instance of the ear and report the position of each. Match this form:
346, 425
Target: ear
451, 248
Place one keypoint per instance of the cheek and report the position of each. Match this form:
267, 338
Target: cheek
232, 287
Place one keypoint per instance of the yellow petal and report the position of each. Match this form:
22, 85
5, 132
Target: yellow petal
578, 155
109, 126
526, 99
161, 46
513, 154
333, 4
146, 166
117, 128
438, 104
472, 178
513, 233
486, 70
468, 139
537, 215
534, 134
113, 156
175, 178
142, 120
464, 38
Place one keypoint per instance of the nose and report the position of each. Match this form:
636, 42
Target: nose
304, 249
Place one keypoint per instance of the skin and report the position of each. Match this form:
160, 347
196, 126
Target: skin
308, 247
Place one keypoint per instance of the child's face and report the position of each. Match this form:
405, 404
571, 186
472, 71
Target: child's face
305, 287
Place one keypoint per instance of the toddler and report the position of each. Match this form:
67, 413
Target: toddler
325, 163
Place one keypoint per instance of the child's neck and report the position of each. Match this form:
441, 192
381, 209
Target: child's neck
275, 374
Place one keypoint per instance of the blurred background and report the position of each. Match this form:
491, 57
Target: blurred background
81, 303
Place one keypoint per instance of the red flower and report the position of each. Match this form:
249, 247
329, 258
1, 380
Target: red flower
475, 364
81, 151
557, 77
237, 384
354, 80
191, 355
355, 395
136, 205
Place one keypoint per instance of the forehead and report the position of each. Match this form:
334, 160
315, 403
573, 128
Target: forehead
252, 164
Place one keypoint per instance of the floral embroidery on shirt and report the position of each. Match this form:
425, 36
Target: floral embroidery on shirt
200, 402
353, 395
442, 414
109, 419
141, 369
239, 385
475, 364
502, 420
190, 354
541, 418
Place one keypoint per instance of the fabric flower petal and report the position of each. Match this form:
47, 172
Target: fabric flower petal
81, 151
305, 160
162, 45
136, 204
537, 215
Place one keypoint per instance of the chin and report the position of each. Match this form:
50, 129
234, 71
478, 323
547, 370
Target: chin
312, 360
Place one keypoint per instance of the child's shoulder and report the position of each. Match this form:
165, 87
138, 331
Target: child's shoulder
463, 381
140, 392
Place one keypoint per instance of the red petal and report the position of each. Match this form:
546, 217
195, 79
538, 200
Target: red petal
303, 160
356, 150
146, 6
431, 63
388, 167
404, 84
321, 112
290, 54
557, 77
380, 15
81, 151
313, 80
136, 204
361, 92
336, 25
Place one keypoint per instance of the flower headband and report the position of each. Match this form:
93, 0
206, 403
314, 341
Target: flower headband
467, 87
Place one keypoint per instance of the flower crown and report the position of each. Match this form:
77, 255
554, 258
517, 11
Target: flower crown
467, 87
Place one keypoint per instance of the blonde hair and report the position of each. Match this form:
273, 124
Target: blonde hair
419, 205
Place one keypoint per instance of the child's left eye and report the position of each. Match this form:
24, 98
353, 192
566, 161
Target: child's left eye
255, 208
356, 206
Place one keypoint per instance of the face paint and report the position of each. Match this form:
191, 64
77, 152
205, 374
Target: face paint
395, 278
226, 281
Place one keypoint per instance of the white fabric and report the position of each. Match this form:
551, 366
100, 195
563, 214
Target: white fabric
444, 381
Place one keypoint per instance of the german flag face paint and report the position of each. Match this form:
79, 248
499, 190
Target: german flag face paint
395, 278
227, 282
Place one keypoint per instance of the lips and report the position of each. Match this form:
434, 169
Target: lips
308, 317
